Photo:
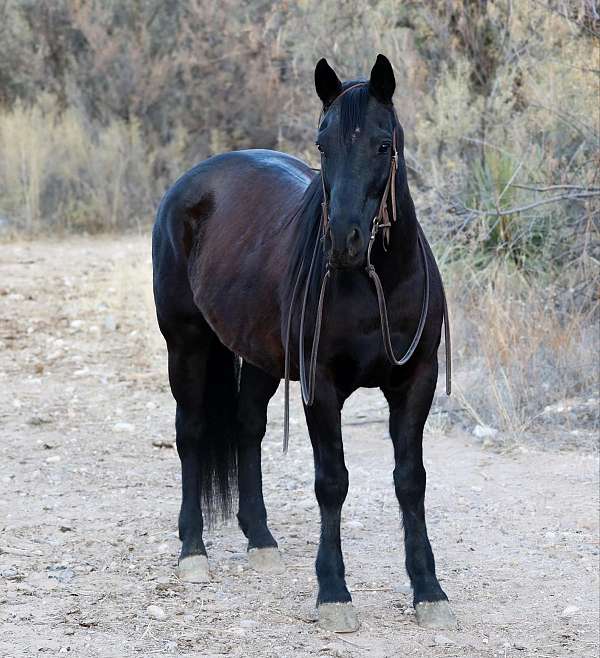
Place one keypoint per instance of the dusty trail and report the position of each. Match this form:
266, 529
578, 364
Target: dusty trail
88, 503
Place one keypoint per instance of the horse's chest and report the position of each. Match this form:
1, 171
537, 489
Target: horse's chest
353, 348
356, 359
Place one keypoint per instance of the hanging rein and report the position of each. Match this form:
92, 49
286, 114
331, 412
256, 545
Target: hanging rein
381, 222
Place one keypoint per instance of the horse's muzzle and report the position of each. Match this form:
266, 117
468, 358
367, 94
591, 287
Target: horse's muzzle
345, 249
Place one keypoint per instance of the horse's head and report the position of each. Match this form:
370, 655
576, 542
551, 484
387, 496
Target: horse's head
355, 138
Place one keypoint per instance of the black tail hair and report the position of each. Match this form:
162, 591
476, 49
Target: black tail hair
218, 448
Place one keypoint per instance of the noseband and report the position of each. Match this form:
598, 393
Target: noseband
381, 222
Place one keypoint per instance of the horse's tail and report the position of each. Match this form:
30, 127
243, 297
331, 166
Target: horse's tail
218, 448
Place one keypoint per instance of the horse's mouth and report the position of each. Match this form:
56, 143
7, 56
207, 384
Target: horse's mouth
345, 262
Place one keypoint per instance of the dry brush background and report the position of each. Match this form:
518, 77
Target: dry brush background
103, 104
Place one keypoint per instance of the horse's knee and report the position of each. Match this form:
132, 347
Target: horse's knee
189, 427
253, 426
331, 486
409, 482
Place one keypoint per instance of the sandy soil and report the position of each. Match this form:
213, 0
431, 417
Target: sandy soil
89, 502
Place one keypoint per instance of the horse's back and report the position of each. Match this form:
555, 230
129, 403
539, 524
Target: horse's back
238, 178
258, 184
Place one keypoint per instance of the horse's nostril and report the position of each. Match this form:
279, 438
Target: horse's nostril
353, 242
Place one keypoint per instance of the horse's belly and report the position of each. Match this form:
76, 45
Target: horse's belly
241, 304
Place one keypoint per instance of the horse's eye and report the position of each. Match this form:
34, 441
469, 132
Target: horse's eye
384, 148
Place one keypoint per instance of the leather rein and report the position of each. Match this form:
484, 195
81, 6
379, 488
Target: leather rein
381, 222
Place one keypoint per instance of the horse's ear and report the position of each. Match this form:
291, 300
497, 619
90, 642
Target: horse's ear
327, 83
382, 83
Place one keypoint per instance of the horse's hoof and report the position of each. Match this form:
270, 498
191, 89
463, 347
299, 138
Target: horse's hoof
435, 614
266, 560
338, 617
193, 569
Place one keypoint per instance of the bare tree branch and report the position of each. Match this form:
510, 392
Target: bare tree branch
529, 206
548, 188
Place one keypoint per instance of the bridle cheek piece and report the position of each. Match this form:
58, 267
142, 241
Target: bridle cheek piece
381, 222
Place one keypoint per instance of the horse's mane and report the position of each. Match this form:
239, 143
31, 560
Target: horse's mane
308, 214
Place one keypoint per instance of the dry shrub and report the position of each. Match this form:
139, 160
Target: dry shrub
58, 172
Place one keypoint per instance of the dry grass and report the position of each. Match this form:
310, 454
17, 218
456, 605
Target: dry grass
520, 348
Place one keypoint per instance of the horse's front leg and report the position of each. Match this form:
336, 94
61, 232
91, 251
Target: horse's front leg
334, 603
409, 407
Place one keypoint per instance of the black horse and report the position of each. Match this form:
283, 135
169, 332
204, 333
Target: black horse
252, 243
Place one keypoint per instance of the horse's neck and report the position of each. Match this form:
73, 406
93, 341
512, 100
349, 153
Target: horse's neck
397, 263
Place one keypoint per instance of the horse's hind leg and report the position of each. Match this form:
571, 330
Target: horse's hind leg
203, 383
188, 348
409, 408
256, 389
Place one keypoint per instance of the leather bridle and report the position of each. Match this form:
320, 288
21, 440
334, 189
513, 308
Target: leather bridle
381, 222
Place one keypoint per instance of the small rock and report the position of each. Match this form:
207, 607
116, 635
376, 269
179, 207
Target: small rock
110, 324
484, 432
61, 573
247, 623
569, 611
9, 573
354, 525
405, 588
39, 420
441, 640
155, 612
52, 459
123, 427
161, 443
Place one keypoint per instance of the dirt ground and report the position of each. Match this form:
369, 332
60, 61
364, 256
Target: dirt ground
89, 499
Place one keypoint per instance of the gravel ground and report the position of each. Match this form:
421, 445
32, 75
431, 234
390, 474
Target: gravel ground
89, 498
